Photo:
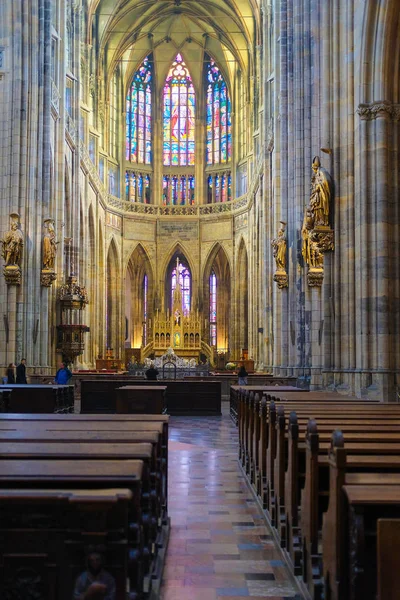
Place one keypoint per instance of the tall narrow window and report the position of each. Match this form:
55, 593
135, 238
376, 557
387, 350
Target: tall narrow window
219, 127
179, 115
145, 296
138, 115
213, 309
113, 146
185, 282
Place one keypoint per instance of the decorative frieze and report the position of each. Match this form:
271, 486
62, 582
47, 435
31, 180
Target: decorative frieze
382, 108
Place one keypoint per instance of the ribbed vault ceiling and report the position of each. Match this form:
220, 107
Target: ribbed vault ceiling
127, 30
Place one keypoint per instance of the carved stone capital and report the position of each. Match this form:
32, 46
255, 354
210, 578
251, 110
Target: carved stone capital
12, 275
380, 109
281, 279
47, 276
324, 237
315, 277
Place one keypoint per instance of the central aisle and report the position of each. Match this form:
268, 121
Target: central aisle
220, 547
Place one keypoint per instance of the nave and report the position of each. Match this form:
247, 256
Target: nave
220, 547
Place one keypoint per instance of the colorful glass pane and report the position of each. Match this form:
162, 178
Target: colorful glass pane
218, 126
138, 115
185, 283
179, 116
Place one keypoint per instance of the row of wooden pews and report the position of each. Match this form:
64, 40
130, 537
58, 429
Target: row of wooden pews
327, 473
71, 483
36, 398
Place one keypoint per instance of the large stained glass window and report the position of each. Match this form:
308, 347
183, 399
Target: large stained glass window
138, 115
219, 127
213, 309
179, 115
185, 281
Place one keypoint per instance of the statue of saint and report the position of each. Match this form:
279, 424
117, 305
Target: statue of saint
12, 245
321, 192
49, 246
308, 225
279, 248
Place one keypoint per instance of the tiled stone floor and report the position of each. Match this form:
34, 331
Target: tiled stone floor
220, 547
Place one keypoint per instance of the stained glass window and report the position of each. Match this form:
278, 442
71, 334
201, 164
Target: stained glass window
178, 189
137, 187
185, 281
219, 126
179, 115
113, 135
213, 309
138, 115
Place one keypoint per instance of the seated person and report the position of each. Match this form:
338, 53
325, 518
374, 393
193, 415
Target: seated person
96, 582
152, 373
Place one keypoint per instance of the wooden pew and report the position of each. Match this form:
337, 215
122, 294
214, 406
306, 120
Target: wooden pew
44, 535
28, 398
147, 432
356, 500
388, 552
85, 474
382, 424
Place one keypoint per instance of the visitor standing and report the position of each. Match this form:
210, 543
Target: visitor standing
21, 371
10, 373
242, 376
152, 373
63, 375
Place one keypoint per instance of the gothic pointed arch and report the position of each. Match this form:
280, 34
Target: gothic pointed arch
185, 277
179, 108
242, 300
139, 298
113, 306
217, 298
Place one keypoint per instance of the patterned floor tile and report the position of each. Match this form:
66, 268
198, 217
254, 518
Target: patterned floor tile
220, 547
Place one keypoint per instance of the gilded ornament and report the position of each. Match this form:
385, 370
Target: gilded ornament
317, 236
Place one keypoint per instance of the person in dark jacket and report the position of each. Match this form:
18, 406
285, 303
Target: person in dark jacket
152, 373
10, 373
242, 376
21, 372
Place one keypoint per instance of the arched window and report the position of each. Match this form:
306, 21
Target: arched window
145, 308
219, 128
185, 282
179, 115
138, 115
213, 309
113, 132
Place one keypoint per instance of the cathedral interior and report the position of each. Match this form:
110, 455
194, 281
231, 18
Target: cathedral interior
207, 185
245, 152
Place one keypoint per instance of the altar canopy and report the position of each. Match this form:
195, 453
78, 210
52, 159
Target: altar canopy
179, 329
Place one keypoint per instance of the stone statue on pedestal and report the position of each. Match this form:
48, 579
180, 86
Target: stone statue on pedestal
279, 251
12, 243
49, 252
